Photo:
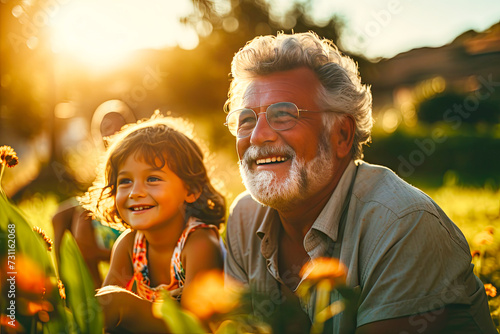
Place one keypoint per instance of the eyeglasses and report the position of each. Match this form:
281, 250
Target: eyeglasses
280, 116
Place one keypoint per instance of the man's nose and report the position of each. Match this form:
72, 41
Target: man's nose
262, 132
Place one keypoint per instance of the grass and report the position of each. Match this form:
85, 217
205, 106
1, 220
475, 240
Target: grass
474, 210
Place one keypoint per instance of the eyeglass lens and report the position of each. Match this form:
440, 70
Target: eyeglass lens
280, 116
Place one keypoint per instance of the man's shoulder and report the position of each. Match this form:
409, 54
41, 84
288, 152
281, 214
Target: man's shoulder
246, 210
244, 201
246, 216
381, 186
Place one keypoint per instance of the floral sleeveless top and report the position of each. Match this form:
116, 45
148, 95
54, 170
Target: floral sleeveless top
140, 283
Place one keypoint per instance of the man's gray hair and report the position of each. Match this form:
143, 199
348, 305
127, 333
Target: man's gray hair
342, 91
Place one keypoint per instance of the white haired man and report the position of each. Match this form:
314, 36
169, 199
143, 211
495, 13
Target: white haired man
300, 115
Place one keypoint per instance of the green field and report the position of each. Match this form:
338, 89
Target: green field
475, 210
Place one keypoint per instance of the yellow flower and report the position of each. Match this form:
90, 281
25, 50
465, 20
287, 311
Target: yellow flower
207, 296
8, 156
62, 290
490, 290
325, 268
47, 240
484, 238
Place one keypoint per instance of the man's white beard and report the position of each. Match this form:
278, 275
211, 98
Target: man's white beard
303, 178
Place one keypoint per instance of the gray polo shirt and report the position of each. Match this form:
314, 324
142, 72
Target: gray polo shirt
403, 253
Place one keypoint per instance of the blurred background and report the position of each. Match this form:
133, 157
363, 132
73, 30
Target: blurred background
434, 68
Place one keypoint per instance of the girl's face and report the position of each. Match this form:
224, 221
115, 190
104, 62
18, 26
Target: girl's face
148, 197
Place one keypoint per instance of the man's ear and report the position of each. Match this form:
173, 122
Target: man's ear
343, 136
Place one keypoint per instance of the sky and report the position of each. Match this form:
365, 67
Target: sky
388, 27
100, 29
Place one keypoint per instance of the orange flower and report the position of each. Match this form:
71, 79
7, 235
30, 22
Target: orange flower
35, 307
8, 156
30, 277
44, 316
206, 296
490, 290
324, 268
10, 324
475, 253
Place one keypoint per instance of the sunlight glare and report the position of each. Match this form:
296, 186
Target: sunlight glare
101, 33
390, 120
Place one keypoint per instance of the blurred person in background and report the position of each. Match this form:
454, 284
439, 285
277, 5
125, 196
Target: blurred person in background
300, 115
94, 239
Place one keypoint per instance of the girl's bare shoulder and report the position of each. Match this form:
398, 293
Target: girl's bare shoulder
125, 242
204, 244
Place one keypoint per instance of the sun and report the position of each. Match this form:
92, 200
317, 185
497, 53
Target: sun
101, 33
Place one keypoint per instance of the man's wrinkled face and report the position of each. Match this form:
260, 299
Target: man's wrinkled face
281, 167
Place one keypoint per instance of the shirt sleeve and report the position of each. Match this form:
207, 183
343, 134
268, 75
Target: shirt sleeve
416, 264
233, 262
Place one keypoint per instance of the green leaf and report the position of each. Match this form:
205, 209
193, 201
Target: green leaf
228, 327
16, 231
61, 321
27, 242
79, 287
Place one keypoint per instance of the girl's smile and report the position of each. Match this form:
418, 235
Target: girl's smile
140, 208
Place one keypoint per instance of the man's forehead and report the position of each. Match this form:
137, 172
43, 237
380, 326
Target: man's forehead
258, 89
286, 86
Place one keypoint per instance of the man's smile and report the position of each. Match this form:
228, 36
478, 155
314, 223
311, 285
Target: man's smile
270, 160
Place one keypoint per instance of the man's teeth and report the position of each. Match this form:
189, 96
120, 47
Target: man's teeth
140, 208
270, 160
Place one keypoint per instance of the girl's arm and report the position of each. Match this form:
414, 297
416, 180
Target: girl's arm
120, 268
120, 272
125, 311
201, 252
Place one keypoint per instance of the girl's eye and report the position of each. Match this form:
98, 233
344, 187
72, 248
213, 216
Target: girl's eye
124, 181
153, 179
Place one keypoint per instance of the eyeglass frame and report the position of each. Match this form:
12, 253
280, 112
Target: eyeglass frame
267, 120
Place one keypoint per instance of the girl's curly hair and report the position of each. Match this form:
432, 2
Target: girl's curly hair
159, 141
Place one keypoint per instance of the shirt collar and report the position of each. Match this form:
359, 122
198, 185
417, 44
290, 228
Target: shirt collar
327, 221
268, 232
329, 218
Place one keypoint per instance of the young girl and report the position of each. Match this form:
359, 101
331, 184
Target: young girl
156, 186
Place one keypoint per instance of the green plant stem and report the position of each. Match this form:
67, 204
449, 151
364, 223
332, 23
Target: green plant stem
323, 291
1, 173
33, 325
1, 176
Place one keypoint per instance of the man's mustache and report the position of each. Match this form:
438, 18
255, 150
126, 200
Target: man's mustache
255, 152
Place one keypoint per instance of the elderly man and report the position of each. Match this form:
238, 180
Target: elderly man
300, 115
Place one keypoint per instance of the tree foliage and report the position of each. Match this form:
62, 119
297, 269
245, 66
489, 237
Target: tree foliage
449, 105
